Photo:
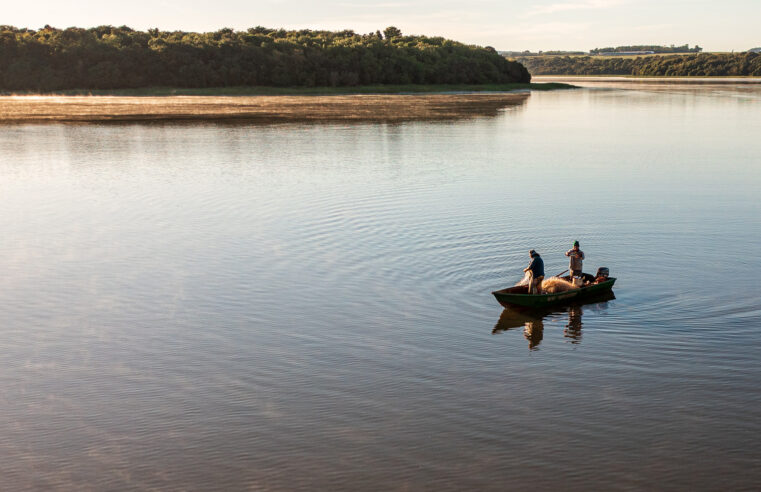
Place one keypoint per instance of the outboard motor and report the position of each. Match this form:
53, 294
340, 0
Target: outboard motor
602, 272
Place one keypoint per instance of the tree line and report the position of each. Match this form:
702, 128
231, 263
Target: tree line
108, 57
515, 54
705, 64
646, 47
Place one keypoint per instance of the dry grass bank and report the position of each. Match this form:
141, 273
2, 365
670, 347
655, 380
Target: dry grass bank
22, 109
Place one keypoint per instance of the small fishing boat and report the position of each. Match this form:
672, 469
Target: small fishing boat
519, 296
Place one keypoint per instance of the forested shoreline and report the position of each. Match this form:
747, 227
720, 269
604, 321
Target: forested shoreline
108, 57
704, 64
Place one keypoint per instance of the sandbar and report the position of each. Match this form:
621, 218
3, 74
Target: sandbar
266, 109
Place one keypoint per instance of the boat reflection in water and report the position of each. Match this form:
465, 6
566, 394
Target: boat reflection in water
532, 320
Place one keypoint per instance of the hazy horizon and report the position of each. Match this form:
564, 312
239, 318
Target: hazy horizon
574, 25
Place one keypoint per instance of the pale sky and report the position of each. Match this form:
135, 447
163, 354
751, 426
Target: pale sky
506, 24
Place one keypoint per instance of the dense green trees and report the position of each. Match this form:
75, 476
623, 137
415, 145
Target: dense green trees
705, 64
109, 57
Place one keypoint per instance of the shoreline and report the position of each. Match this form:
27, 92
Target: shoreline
696, 79
300, 91
389, 103
255, 109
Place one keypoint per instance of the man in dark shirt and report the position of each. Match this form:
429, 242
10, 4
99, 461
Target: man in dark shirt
536, 267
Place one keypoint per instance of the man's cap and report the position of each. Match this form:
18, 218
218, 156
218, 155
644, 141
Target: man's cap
575, 243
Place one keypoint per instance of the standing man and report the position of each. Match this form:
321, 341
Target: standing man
577, 257
536, 267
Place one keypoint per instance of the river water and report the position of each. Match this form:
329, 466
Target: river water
280, 307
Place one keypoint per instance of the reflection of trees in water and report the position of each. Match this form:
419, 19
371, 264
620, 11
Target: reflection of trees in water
532, 321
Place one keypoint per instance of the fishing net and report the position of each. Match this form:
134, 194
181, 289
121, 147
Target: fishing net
553, 285
525, 279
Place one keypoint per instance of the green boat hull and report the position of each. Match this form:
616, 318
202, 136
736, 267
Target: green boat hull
512, 296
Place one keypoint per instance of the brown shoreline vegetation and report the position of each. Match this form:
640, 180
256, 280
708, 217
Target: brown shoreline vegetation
264, 109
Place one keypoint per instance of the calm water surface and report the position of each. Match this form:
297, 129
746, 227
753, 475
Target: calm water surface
212, 307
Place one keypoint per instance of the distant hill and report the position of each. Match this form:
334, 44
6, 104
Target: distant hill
108, 57
704, 64
618, 50
514, 54
649, 48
